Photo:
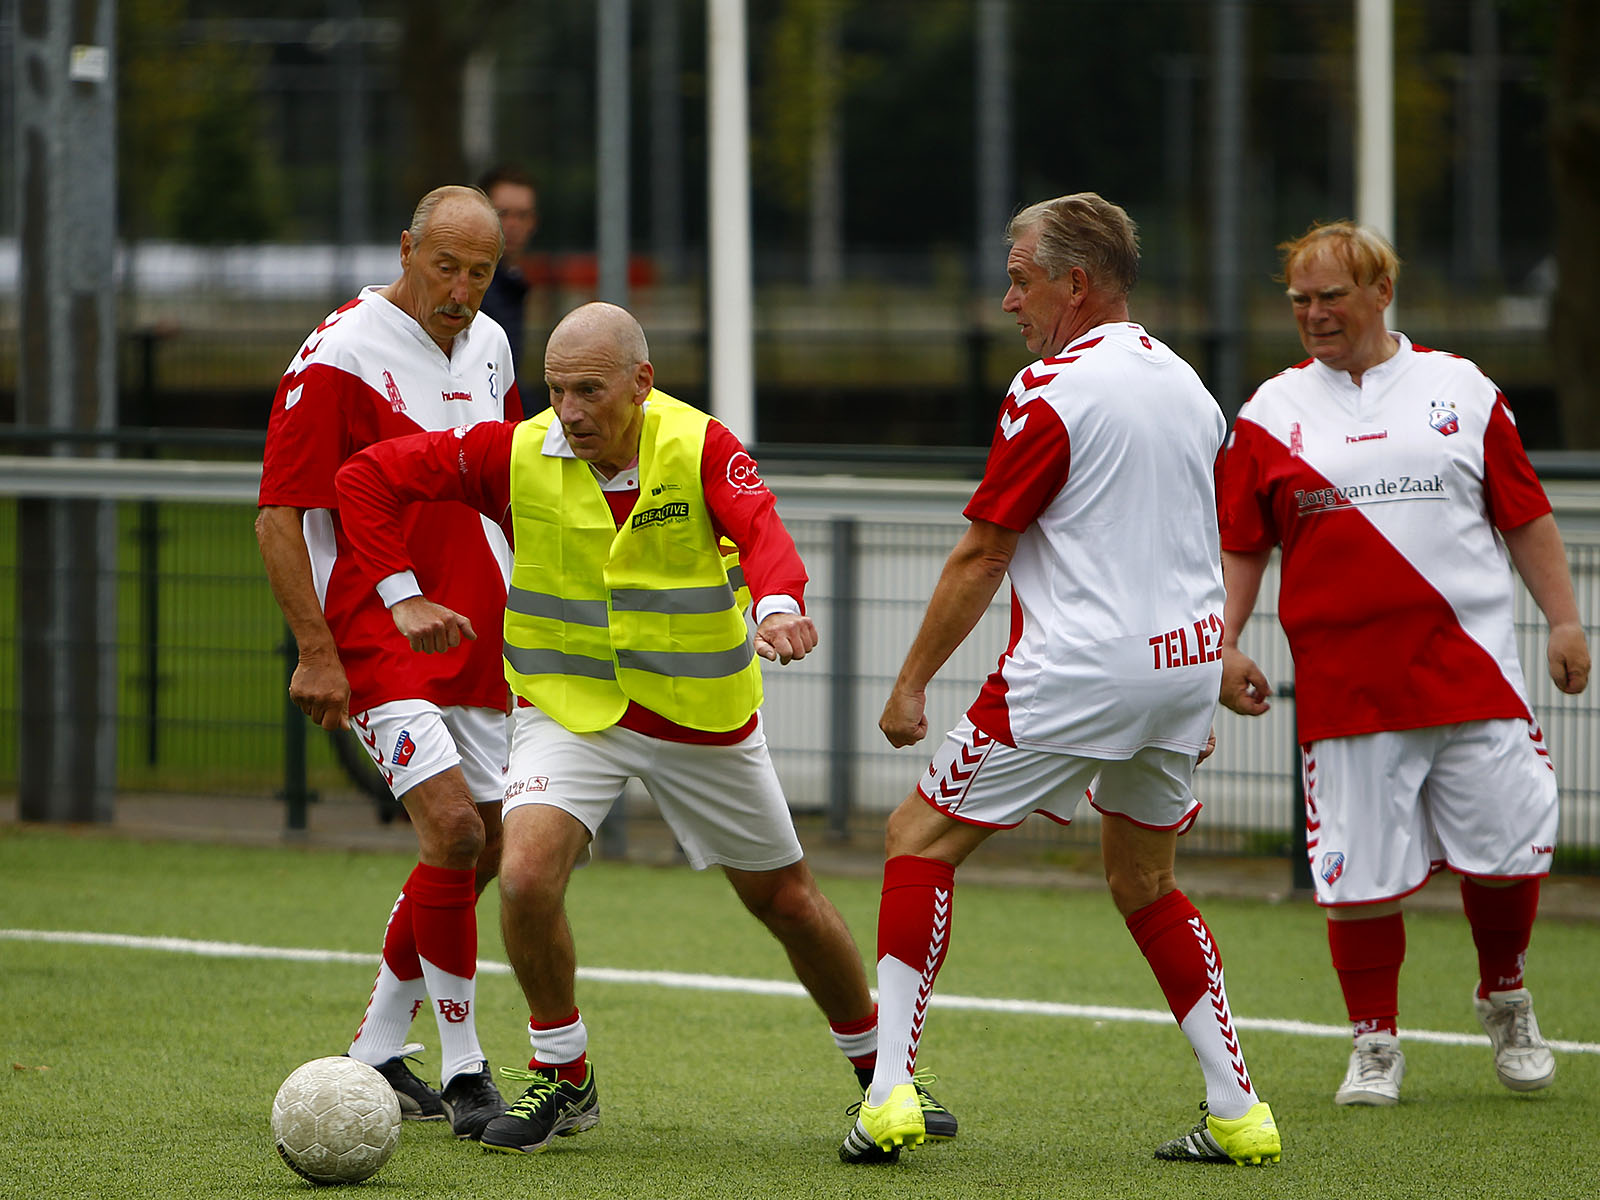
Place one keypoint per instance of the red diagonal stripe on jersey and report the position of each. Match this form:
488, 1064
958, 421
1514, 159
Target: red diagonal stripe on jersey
1447, 671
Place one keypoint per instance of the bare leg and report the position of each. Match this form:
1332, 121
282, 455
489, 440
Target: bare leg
542, 845
813, 934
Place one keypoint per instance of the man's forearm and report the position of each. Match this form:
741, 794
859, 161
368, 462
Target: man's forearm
968, 583
288, 565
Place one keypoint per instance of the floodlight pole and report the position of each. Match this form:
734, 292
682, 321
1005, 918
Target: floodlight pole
612, 81
730, 372
64, 76
1375, 118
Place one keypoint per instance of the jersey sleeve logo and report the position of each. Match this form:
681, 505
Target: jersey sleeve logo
293, 396
1010, 428
743, 474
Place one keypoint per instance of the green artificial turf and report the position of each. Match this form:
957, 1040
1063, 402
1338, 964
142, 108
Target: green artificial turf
149, 1073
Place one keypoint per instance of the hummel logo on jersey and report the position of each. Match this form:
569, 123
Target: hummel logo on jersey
449, 396
395, 402
1009, 428
293, 397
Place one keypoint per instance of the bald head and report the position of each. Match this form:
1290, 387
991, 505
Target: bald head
601, 329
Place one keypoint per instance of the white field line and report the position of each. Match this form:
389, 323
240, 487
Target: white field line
753, 987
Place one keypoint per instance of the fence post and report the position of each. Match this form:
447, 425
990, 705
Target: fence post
1299, 863
296, 796
149, 540
842, 688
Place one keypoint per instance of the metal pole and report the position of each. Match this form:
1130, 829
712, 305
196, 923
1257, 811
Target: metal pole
666, 141
731, 369
64, 75
611, 169
1299, 862
1227, 204
150, 561
842, 685
1375, 119
995, 199
296, 795
352, 146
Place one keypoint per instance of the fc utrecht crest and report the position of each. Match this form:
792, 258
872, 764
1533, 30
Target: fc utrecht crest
1332, 867
1442, 416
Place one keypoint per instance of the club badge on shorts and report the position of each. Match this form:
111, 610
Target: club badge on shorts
1332, 867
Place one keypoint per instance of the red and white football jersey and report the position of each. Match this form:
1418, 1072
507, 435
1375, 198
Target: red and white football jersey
1395, 593
367, 373
1102, 459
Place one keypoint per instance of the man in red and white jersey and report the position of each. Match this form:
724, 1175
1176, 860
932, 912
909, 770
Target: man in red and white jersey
1097, 501
628, 651
1386, 470
412, 356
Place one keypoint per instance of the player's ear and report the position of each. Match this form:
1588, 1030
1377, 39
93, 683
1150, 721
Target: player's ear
643, 380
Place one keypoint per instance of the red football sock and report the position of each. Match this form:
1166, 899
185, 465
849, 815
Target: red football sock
1502, 925
914, 919
1175, 941
1367, 955
445, 921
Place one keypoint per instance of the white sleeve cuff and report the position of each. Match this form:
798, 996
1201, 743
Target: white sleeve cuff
776, 603
402, 585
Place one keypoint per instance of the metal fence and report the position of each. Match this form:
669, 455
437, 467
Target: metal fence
202, 658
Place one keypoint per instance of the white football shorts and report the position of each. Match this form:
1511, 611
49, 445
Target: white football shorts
980, 781
1386, 810
413, 740
723, 803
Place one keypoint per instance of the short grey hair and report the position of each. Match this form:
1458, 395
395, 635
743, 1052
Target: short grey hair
423, 213
1082, 230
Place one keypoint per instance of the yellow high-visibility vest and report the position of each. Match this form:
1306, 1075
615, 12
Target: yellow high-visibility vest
597, 616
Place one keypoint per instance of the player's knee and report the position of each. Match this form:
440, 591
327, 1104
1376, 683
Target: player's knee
454, 837
530, 889
791, 905
1136, 885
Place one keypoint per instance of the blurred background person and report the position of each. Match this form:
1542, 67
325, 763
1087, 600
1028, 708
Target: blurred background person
516, 202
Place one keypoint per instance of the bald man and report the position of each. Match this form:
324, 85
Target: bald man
627, 649
397, 360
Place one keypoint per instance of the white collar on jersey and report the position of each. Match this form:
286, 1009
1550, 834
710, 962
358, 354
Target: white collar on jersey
401, 319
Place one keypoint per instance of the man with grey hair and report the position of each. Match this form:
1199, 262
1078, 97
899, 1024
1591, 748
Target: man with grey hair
415, 355
626, 644
1097, 502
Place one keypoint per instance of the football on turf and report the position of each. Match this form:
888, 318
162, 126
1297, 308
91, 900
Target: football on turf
335, 1120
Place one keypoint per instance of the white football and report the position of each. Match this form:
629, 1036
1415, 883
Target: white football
335, 1120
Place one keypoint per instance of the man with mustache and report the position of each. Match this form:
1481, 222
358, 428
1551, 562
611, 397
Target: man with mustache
415, 355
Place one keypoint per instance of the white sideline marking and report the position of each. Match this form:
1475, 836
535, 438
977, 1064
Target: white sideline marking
754, 987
